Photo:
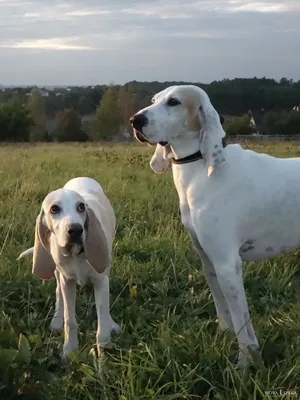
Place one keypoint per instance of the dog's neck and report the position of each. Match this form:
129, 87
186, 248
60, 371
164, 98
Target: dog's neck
183, 148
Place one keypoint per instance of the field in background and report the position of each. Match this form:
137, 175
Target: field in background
170, 346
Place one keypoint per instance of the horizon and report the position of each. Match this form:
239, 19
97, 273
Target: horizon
146, 81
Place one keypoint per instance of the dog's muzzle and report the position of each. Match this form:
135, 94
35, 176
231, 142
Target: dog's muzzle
74, 237
138, 122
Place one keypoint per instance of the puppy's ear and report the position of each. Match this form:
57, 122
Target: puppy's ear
43, 264
211, 136
97, 251
160, 160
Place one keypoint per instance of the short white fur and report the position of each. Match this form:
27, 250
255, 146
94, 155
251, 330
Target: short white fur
237, 205
70, 267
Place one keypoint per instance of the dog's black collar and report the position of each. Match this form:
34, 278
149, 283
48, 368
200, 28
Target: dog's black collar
193, 157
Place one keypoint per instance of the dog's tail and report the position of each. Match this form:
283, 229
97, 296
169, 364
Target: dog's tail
26, 253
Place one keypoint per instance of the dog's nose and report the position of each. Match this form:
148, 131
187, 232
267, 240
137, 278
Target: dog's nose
75, 231
138, 121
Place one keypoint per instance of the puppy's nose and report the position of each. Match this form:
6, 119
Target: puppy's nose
139, 121
75, 231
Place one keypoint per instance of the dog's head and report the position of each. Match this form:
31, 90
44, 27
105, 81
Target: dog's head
72, 225
64, 214
181, 113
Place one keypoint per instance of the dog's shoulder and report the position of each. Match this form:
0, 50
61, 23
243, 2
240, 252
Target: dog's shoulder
248, 159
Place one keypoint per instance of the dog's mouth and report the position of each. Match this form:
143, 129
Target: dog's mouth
140, 136
73, 249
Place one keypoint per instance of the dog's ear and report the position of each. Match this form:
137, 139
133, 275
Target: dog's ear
43, 264
96, 249
160, 160
211, 135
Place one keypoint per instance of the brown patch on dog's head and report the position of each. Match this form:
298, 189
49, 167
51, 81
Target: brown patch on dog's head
190, 99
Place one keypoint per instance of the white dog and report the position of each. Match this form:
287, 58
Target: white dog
73, 241
236, 204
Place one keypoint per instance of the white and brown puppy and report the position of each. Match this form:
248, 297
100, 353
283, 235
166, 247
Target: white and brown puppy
237, 205
73, 241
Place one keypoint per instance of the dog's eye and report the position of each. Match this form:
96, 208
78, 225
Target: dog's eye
55, 209
173, 102
81, 207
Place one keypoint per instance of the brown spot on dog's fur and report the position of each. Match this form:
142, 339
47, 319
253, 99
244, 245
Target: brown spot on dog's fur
214, 154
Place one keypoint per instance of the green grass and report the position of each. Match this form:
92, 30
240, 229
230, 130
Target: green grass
170, 346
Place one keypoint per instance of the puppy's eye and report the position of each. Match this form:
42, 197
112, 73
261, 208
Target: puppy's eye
55, 209
173, 102
81, 207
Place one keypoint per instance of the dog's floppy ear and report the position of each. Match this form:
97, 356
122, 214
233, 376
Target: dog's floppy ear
211, 136
43, 264
96, 249
160, 160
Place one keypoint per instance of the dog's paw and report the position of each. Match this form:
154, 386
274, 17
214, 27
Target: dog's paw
115, 327
103, 340
68, 348
250, 356
57, 323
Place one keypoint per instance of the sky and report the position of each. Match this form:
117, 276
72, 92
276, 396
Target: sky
77, 42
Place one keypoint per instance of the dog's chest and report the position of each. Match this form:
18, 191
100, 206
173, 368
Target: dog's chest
78, 271
189, 191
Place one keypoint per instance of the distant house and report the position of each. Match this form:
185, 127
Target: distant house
256, 118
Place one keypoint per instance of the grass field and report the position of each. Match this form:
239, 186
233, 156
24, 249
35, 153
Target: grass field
170, 346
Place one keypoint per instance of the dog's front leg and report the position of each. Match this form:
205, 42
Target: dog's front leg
105, 323
212, 281
58, 318
68, 288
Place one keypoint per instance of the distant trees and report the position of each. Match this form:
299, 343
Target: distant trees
36, 109
103, 112
282, 123
108, 119
116, 107
15, 122
69, 127
238, 126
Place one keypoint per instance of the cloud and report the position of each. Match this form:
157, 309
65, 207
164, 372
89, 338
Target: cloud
87, 12
143, 39
65, 43
264, 7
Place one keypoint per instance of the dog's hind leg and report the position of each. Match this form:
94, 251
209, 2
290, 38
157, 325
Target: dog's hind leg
231, 283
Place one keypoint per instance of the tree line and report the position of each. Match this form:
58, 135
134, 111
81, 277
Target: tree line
103, 111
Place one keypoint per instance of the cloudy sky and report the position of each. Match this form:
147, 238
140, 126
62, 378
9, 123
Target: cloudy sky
98, 41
